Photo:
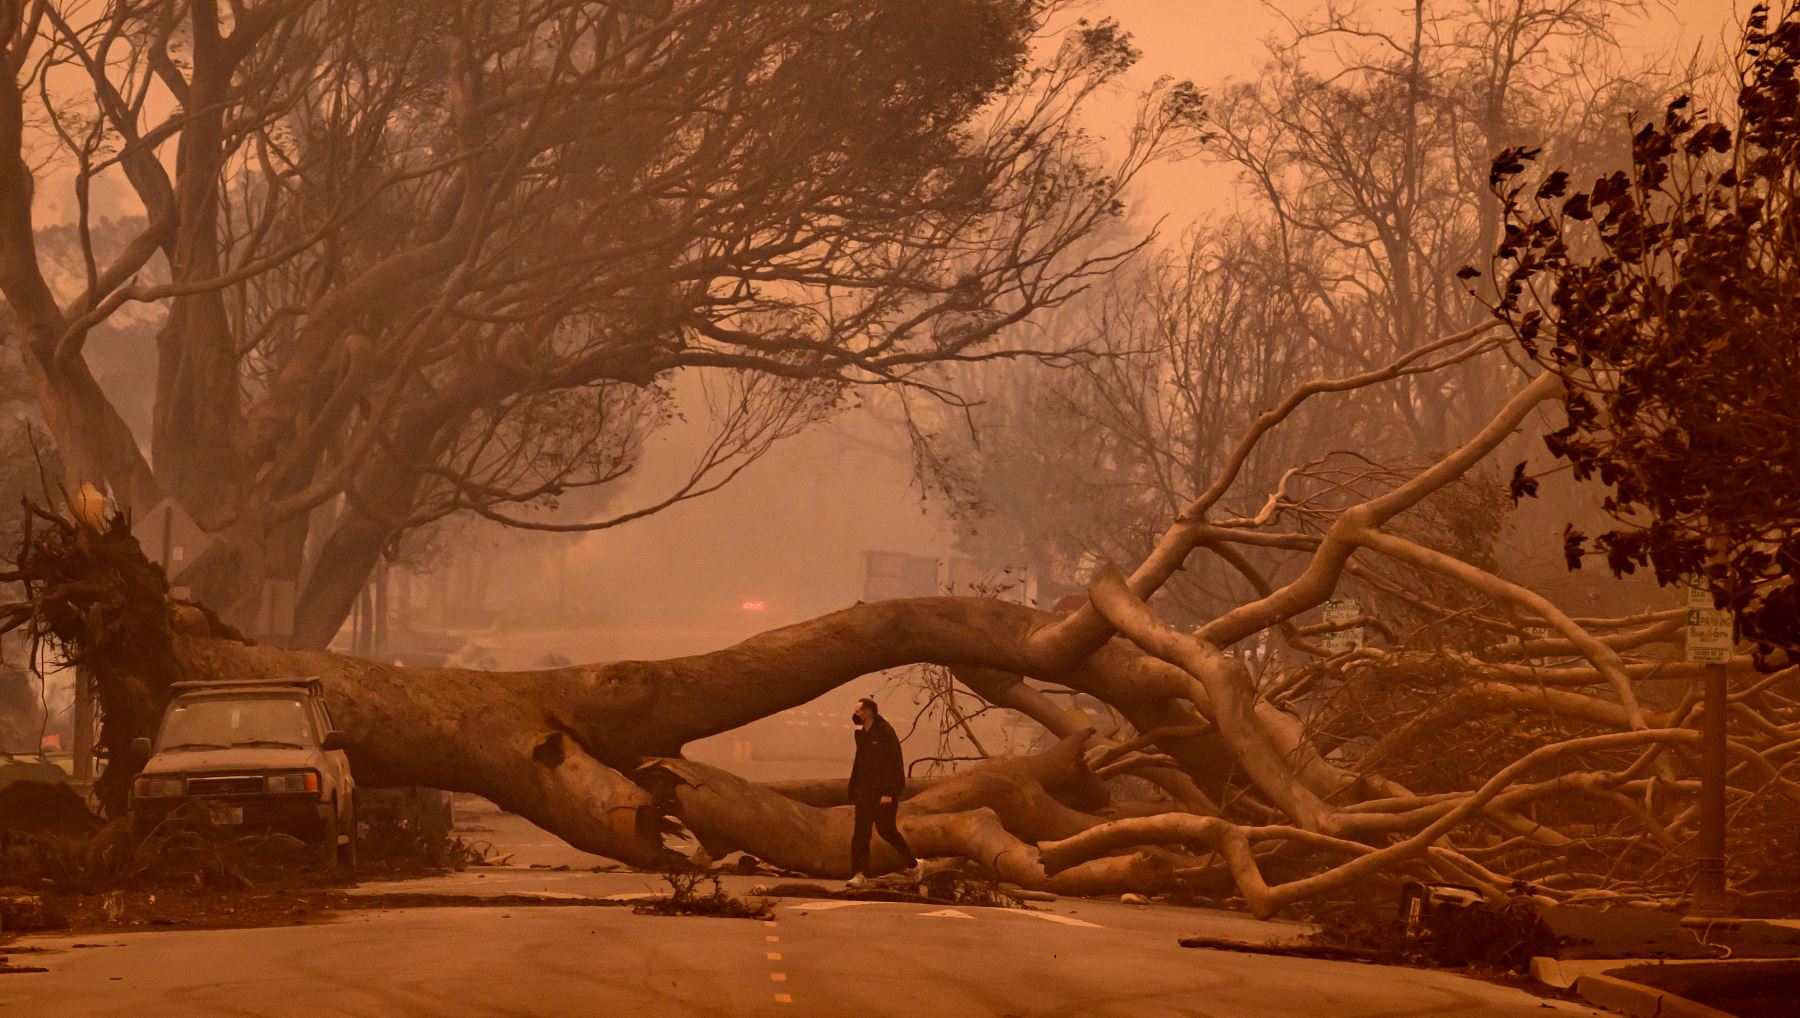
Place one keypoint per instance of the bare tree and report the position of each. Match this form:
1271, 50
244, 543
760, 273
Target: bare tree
1367, 140
427, 258
1054, 468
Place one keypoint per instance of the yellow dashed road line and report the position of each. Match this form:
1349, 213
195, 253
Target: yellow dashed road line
774, 956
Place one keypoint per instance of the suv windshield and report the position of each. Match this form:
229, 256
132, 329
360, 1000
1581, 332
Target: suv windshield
226, 723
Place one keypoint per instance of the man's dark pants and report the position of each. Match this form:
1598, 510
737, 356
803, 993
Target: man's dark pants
871, 812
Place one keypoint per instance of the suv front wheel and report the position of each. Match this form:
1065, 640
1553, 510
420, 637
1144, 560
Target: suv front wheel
347, 854
327, 848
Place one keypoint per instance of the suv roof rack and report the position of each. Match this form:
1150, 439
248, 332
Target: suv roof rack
310, 683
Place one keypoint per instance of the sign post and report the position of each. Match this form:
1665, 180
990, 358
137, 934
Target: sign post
1710, 638
84, 729
1709, 631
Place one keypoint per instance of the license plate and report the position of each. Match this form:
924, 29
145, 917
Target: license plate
221, 814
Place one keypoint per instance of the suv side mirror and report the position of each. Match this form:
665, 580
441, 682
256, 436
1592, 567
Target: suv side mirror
140, 746
333, 740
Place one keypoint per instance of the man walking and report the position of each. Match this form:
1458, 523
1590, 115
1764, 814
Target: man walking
876, 781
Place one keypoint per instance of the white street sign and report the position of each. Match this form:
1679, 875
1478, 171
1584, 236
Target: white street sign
1697, 594
170, 537
1339, 610
1708, 636
1709, 631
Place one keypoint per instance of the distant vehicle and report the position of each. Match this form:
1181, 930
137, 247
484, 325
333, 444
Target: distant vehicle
256, 755
39, 768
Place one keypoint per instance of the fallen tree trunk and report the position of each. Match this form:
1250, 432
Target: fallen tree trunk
580, 750
729, 814
556, 746
591, 752
823, 792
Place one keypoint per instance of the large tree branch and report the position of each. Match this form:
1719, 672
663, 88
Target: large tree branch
1603, 657
1320, 577
1084, 630
1228, 688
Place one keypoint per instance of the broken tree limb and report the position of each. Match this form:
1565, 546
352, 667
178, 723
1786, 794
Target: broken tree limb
1020, 790
1003, 689
1323, 570
727, 814
1233, 842
1083, 632
1603, 657
556, 745
1227, 686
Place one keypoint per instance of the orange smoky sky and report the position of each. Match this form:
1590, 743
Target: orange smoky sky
1210, 40
1213, 42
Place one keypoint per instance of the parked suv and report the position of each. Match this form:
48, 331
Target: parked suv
257, 755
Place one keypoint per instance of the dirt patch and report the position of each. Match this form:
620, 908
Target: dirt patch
1750, 989
10, 967
404, 899
1493, 943
946, 888
191, 909
1326, 952
186, 875
211, 908
701, 894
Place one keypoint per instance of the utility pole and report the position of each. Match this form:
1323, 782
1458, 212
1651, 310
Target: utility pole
84, 728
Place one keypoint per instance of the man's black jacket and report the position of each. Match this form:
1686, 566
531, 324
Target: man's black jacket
879, 769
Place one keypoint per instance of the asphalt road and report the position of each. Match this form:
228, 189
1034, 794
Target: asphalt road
864, 959
816, 958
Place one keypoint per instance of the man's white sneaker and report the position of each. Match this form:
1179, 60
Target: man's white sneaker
916, 875
856, 883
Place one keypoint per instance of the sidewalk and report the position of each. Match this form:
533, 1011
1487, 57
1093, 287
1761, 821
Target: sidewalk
1657, 965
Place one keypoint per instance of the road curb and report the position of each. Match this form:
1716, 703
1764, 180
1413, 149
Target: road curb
1631, 998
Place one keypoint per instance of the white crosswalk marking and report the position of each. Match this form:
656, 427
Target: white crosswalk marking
946, 913
1052, 917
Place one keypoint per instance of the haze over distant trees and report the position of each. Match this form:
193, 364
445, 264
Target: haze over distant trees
1361, 155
